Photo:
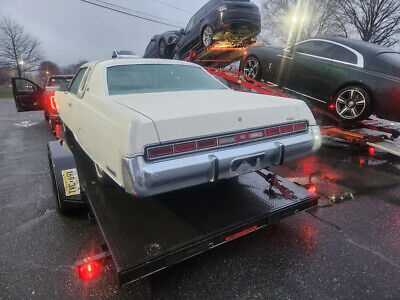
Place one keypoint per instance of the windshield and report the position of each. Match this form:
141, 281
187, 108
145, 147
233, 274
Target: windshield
136, 79
58, 82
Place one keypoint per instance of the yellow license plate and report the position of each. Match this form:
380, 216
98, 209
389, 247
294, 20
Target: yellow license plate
71, 182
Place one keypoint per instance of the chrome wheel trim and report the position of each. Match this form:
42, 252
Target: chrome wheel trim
251, 68
208, 36
350, 104
162, 48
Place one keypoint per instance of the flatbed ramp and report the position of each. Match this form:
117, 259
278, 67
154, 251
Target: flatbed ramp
144, 236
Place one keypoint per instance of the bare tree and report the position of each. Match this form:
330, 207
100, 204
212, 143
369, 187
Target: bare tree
292, 20
73, 68
18, 50
377, 21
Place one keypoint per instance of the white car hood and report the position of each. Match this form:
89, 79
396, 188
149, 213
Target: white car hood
188, 114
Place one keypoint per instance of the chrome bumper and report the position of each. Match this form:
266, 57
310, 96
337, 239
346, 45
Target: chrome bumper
143, 179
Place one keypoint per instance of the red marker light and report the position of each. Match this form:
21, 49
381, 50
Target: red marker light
332, 106
88, 271
312, 189
371, 151
362, 161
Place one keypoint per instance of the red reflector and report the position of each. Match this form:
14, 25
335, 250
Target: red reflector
332, 106
300, 126
242, 137
312, 188
161, 151
89, 270
371, 151
206, 144
272, 131
239, 234
227, 140
185, 147
256, 135
286, 129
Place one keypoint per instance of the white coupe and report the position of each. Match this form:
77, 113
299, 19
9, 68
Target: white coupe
155, 126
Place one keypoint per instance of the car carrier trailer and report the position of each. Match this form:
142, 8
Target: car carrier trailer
143, 236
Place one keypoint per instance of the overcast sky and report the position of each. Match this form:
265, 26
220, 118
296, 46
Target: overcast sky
71, 30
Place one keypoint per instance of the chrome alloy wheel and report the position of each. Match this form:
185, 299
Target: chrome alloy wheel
208, 36
251, 68
350, 104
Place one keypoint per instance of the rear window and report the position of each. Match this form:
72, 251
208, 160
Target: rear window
136, 79
58, 82
388, 63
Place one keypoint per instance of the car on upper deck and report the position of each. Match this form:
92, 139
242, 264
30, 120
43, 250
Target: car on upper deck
162, 45
235, 21
155, 126
351, 78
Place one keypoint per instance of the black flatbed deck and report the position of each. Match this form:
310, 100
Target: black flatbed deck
147, 235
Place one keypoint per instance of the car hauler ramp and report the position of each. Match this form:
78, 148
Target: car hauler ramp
144, 236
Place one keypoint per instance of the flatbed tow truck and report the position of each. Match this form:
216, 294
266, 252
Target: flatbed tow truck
143, 236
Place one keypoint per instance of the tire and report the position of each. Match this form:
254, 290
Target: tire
162, 48
251, 67
62, 207
353, 104
176, 56
207, 36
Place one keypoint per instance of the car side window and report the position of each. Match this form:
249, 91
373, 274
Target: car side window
190, 24
84, 82
344, 55
317, 48
23, 85
77, 81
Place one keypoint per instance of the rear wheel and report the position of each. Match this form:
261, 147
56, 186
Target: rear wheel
252, 68
353, 104
207, 36
162, 48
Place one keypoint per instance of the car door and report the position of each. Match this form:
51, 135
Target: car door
310, 65
71, 104
28, 95
188, 38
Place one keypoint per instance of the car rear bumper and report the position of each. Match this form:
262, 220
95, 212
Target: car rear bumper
143, 179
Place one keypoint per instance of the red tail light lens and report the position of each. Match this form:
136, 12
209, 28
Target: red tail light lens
242, 137
200, 144
300, 126
272, 131
286, 128
185, 147
160, 151
52, 103
206, 144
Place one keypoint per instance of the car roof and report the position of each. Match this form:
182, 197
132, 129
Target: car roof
365, 48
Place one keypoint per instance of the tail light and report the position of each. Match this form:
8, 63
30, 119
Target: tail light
226, 140
52, 103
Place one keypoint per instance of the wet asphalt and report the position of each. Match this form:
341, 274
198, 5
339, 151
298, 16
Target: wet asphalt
347, 247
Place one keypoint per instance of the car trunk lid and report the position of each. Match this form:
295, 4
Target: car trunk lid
183, 115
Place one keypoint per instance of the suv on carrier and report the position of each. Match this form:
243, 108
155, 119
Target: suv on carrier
236, 21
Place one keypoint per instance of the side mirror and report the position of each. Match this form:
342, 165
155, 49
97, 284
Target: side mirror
183, 31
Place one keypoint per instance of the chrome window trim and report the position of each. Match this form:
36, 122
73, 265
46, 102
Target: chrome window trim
360, 57
305, 95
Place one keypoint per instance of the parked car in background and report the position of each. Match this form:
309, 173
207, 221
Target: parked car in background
54, 83
238, 22
350, 77
163, 45
123, 54
155, 126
